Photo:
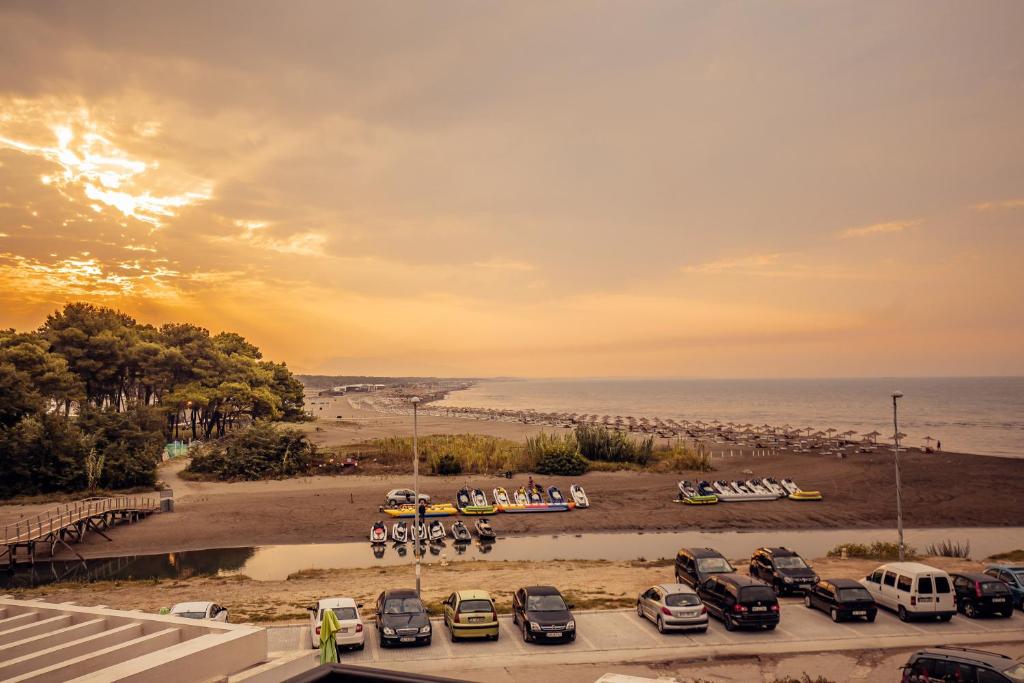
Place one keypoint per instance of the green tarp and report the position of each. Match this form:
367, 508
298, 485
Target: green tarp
328, 627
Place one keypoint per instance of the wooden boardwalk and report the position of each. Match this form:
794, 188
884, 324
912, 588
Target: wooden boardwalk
24, 539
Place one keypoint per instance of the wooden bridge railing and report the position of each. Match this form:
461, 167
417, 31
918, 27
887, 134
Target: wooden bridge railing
63, 516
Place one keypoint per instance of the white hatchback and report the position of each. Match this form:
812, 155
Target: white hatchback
200, 610
352, 634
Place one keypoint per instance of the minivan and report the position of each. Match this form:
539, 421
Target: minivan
740, 601
912, 590
695, 565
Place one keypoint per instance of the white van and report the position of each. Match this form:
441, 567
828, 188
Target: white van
913, 590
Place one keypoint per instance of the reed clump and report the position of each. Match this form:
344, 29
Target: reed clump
879, 550
447, 453
949, 548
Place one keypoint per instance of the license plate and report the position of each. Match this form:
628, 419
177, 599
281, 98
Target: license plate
860, 613
476, 620
805, 586
407, 639
998, 599
344, 630
554, 635
758, 609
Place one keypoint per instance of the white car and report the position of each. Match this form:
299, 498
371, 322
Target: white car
352, 635
200, 610
396, 497
912, 590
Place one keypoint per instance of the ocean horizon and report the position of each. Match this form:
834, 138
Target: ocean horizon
983, 415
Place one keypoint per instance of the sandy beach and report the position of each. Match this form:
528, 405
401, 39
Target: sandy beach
940, 490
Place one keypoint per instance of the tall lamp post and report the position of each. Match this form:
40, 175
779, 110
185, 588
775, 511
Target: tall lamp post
416, 488
896, 395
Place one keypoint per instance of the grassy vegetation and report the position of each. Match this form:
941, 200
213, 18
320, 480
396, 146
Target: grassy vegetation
879, 550
1011, 556
557, 454
474, 453
949, 548
605, 445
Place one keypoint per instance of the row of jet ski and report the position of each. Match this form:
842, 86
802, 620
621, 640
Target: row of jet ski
433, 531
709, 493
475, 502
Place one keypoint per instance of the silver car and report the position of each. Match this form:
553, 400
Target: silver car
673, 606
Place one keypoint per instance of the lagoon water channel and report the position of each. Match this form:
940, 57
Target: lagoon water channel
276, 562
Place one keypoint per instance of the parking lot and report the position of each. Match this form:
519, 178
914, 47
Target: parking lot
622, 636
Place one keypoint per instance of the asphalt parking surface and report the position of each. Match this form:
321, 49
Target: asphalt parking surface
621, 635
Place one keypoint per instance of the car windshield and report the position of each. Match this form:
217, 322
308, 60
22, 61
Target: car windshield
1019, 575
475, 606
714, 565
345, 613
994, 587
681, 600
853, 594
403, 606
190, 615
790, 563
752, 593
545, 603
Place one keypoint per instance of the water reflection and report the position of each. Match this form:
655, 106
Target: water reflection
271, 563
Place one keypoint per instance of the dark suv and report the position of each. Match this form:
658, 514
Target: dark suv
740, 601
981, 594
961, 664
401, 618
841, 599
782, 569
695, 565
541, 613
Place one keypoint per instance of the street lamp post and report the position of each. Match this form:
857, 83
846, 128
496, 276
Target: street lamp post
896, 395
416, 488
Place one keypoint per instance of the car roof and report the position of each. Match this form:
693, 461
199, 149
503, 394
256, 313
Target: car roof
780, 551
845, 583
1008, 567
740, 580
911, 568
475, 595
541, 590
400, 593
672, 588
703, 552
994, 659
326, 603
191, 607
975, 576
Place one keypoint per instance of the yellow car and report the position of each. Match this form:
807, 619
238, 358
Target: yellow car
471, 614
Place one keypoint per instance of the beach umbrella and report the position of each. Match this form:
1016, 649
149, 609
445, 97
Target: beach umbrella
928, 441
329, 626
873, 435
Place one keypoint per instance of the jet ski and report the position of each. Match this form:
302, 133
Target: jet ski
555, 496
705, 488
534, 498
479, 498
689, 494
400, 532
436, 531
519, 497
461, 533
484, 530
796, 493
401, 549
409, 511
378, 550
579, 496
774, 487
501, 497
755, 487
378, 533
421, 533
463, 499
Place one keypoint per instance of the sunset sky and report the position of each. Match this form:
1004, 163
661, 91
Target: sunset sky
664, 189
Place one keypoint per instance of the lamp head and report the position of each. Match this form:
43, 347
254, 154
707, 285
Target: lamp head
897, 394
416, 399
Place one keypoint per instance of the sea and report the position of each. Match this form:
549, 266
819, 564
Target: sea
983, 415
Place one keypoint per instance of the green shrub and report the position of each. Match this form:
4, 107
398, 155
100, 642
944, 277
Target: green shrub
446, 464
600, 443
259, 452
555, 454
682, 458
475, 453
1011, 556
879, 550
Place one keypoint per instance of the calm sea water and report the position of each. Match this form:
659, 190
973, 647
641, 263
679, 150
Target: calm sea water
968, 414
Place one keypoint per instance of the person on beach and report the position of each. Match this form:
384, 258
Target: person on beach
938, 445
530, 486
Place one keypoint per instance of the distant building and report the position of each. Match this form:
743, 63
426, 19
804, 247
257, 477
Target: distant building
352, 388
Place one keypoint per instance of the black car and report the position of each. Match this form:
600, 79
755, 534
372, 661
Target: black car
782, 569
695, 565
402, 619
981, 594
740, 601
961, 664
542, 614
842, 599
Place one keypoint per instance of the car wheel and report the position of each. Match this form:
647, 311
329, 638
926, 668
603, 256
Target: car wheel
902, 613
526, 634
426, 643
834, 613
729, 625
871, 618
1007, 614
807, 601
661, 625
702, 630
945, 617
640, 610
970, 610
777, 587
770, 627
392, 502
360, 646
